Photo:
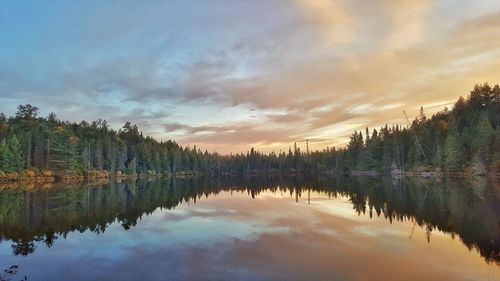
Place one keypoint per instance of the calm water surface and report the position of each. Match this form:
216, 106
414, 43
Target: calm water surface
254, 229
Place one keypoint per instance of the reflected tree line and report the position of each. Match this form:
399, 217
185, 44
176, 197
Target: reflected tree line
468, 210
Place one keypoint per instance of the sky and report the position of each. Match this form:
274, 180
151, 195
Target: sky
227, 75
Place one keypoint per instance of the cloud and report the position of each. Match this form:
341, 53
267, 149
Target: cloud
408, 21
263, 74
332, 17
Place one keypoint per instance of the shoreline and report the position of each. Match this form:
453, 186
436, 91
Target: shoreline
63, 176
48, 177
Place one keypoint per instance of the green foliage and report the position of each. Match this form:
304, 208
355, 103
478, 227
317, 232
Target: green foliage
496, 155
11, 155
16, 160
484, 136
132, 167
5, 156
27, 111
458, 139
453, 153
28, 141
466, 136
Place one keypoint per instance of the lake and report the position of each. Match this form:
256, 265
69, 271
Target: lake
271, 228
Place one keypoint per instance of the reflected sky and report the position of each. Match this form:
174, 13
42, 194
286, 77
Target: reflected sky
232, 236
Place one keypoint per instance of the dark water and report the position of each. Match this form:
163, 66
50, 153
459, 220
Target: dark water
254, 229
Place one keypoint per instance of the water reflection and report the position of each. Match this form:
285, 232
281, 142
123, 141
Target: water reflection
469, 210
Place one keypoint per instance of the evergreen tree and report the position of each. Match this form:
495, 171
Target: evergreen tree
26, 112
484, 136
459, 139
16, 159
5, 157
496, 155
453, 151
132, 167
438, 156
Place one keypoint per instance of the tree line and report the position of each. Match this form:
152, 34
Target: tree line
463, 139
30, 142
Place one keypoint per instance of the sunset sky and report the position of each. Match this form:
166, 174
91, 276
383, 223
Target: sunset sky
230, 75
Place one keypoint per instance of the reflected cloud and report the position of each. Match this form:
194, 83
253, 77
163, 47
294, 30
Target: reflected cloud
342, 209
378, 231
254, 229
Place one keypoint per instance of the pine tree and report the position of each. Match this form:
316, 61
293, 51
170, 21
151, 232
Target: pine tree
26, 112
121, 156
453, 151
132, 167
438, 156
97, 155
5, 157
471, 137
495, 165
75, 161
16, 159
484, 136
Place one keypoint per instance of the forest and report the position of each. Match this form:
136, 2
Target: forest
463, 140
